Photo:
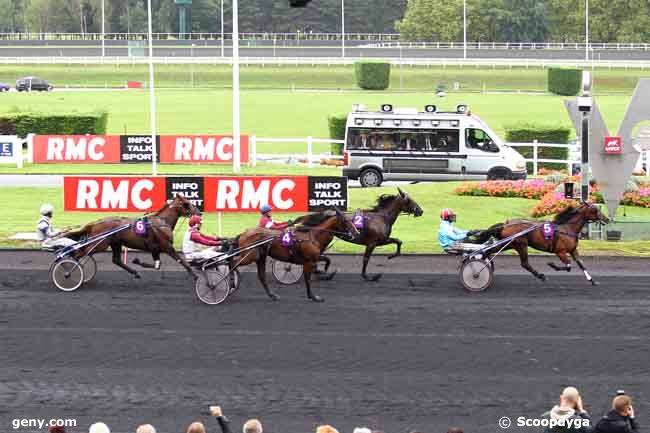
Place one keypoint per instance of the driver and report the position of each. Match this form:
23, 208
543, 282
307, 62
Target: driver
47, 234
450, 237
266, 221
194, 240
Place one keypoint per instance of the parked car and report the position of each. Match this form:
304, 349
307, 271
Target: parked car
4, 87
33, 84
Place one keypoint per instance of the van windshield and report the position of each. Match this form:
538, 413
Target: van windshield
437, 140
479, 139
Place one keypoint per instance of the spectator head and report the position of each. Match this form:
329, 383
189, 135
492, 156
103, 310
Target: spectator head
569, 397
145, 428
362, 430
622, 404
326, 429
253, 426
455, 430
99, 427
196, 427
57, 429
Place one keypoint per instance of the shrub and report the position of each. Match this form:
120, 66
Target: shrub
372, 74
527, 132
22, 124
336, 124
564, 81
531, 189
552, 203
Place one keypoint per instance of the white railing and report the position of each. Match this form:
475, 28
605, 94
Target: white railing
308, 156
579, 46
536, 159
313, 61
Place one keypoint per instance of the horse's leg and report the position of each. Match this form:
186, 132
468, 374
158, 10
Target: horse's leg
170, 251
578, 260
366, 259
155, 254
116, 249
307, 270
399, 247
325, 276
522, 250
564, 257
261, 275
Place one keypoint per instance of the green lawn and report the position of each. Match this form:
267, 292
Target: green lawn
312, 77
419, 234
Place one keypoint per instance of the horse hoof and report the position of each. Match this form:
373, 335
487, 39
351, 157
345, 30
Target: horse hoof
373, 278
135, 261
595, 283
542, 277
392, 256
317, 298
274, 297
137, 276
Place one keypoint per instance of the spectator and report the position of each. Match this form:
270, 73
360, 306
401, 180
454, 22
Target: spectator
250, 426
99, 427
620, 419
253, 426
455, 430
145, 428
326, 429
570, 412
196, 427
362, 430
57, 429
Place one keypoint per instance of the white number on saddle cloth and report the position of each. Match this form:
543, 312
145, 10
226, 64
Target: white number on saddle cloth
358, 221
549, 231
287, 239
140, 228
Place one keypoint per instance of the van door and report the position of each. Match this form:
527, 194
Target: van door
482, 154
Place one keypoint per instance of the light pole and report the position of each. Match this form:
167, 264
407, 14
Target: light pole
152, 97
586, 29
464, 29
222, 34
235, 88
342, 28
103, 30
192, 64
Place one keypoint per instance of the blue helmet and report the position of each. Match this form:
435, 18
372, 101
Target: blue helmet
266, 208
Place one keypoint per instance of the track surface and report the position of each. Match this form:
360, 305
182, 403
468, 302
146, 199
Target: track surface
413, 351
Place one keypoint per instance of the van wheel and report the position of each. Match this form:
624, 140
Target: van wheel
370, 177
500, 174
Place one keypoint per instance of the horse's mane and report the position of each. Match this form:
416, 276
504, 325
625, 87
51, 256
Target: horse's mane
383, 201
565, 215
312, 220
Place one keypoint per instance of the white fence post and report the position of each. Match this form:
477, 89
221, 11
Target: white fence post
310, 149
30, 148
535, 157
253, 161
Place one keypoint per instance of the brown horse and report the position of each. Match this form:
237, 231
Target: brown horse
158, 238
308, 242
378, 223
562, 237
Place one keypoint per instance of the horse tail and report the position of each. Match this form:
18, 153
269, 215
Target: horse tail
490, 232
78, 234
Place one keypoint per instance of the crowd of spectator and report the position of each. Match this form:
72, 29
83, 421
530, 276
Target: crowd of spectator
567, 416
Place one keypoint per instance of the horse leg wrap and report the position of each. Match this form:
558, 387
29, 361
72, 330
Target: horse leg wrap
156, 264
587, 276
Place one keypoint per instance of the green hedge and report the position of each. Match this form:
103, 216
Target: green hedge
564, 81
336, 124
372, 74
527, 132
22, 124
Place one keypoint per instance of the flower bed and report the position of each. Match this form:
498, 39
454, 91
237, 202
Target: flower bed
531, 189
552, 203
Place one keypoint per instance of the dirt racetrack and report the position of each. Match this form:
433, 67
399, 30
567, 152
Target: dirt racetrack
413, 351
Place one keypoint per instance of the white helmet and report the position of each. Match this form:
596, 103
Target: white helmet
46, 209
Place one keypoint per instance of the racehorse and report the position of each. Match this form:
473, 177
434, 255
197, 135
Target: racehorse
158, 236
376, 224
561, 239
307, 243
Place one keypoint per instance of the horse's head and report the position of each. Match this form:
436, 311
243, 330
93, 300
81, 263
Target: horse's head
183, 206
409, 205
592, 213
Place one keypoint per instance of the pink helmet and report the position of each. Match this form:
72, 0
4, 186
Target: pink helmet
447, 214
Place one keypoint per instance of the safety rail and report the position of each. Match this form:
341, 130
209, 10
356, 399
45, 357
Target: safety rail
536, 145
309, 156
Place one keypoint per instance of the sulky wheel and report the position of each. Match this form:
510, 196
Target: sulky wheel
212, 286
286, 273
475, 274
89, 265
67, 275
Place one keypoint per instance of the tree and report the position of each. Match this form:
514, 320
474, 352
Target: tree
525, 21
432, 20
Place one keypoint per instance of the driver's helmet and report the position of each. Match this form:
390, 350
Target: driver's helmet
265, 209
447, 215
194, 220
46, 209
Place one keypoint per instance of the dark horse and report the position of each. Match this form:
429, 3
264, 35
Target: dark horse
378, 224
565, 228
159, 236
309, 241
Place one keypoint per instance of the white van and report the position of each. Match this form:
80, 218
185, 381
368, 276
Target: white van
404, 144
